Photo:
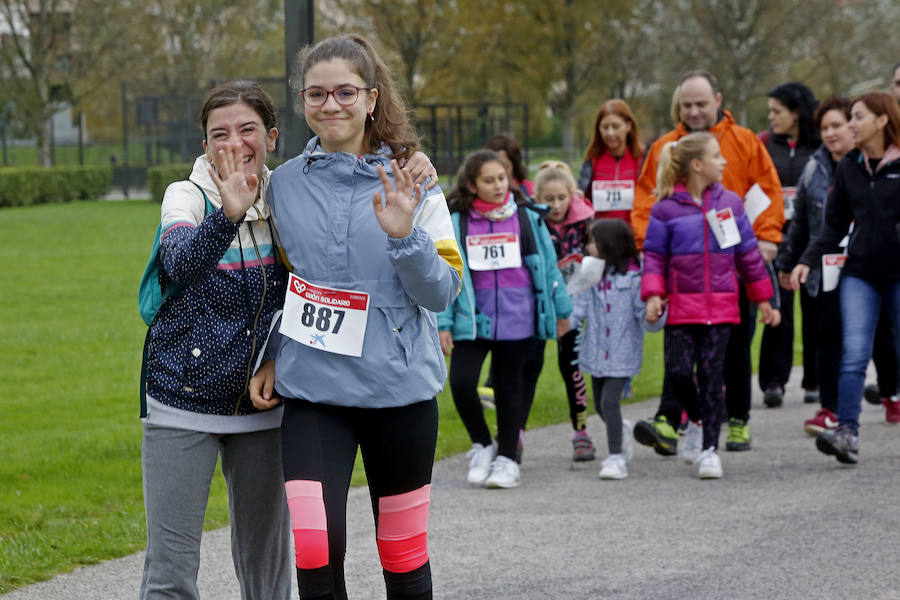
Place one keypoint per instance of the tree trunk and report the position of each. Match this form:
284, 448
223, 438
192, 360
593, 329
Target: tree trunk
44, 144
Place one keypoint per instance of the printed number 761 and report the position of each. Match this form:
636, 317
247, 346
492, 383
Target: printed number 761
493, 252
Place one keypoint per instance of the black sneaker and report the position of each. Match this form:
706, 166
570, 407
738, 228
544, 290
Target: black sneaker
773, 396
658, 434
872, 394
811, 396
840, 443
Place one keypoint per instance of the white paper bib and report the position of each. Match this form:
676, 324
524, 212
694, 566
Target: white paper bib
831, 270
493, 251
724, 227
612, 195
789, 194
331, 320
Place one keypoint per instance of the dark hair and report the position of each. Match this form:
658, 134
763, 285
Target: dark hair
248, 92
883, 103
390, 122
513, 150
798, 98
621, 109
461, 198
614, 240
828, 104
713, 82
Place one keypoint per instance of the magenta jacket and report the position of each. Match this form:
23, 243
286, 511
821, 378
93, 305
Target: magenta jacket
684, 263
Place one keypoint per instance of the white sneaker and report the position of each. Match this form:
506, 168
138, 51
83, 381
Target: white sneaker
692, 445
504, 474
627, 440
480, 458
614, 467
708, 464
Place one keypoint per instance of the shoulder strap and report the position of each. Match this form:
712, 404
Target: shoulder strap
172, 289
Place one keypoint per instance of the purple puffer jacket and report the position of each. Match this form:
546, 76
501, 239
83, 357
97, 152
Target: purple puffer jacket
684, 263
506, 296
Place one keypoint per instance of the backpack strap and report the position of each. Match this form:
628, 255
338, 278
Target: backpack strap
172, 289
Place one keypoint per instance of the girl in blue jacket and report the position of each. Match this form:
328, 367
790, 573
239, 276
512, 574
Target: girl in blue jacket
357, 361
512, 291
612, 349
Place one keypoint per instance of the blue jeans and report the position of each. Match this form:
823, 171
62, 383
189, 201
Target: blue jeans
860, 306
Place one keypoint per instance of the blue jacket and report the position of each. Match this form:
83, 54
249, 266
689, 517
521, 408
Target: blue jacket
205, 341
809, 215
613, 343
322, 203
552, 302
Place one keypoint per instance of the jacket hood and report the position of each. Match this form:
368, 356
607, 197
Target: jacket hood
681, 194
200, 176
890, 155
580, 209
725, 121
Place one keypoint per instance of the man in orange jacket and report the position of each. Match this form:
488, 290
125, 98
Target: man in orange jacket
750, 174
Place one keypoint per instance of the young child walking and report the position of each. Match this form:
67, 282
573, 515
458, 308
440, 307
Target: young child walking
612, 350
512, 291
569, 222
698, 240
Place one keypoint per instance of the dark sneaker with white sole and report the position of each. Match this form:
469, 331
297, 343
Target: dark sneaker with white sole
773, 396
840, 443
658, 434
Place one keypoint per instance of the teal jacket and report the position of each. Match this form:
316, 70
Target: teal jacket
552, 302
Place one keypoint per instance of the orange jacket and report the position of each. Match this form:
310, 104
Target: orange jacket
748, 163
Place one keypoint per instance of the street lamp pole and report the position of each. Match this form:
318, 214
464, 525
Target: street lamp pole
299, 31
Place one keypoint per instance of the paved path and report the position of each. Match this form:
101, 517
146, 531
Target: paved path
785, 522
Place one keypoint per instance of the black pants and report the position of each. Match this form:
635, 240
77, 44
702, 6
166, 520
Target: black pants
703, 346
828, 343
576, 386
319, 445
809, 328
738, 366
884, 354
508, 364
776, 352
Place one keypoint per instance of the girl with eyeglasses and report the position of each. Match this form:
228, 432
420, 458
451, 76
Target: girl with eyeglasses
357, 361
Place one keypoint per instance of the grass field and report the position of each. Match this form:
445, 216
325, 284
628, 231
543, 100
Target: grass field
70, 482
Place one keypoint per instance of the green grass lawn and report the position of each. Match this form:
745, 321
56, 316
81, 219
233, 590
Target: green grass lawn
70, 481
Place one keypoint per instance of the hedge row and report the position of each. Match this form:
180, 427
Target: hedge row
159, 177
23, 186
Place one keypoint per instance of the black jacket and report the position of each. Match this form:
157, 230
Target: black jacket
872, 201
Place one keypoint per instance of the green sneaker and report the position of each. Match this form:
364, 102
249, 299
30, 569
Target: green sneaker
657, 434
738, 435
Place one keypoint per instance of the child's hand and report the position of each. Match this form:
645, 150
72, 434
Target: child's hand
769, 316
784, 280
262, 386
654, 309
446, 342
562, 327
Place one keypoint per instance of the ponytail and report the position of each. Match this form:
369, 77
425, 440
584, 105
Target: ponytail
389, 124
675, 161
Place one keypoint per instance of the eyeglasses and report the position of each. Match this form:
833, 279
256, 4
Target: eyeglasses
345, 95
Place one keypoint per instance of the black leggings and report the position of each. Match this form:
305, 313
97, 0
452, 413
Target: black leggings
508, 370
319, 444
576, 386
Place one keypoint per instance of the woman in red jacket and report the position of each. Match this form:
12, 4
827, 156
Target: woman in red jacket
612, 162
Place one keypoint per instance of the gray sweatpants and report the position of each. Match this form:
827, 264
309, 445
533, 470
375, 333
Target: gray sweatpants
177, 469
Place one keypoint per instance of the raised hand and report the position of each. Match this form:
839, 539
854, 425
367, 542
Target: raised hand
395, 213
238, 193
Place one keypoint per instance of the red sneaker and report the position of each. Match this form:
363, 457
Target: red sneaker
824, 419
891, 409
